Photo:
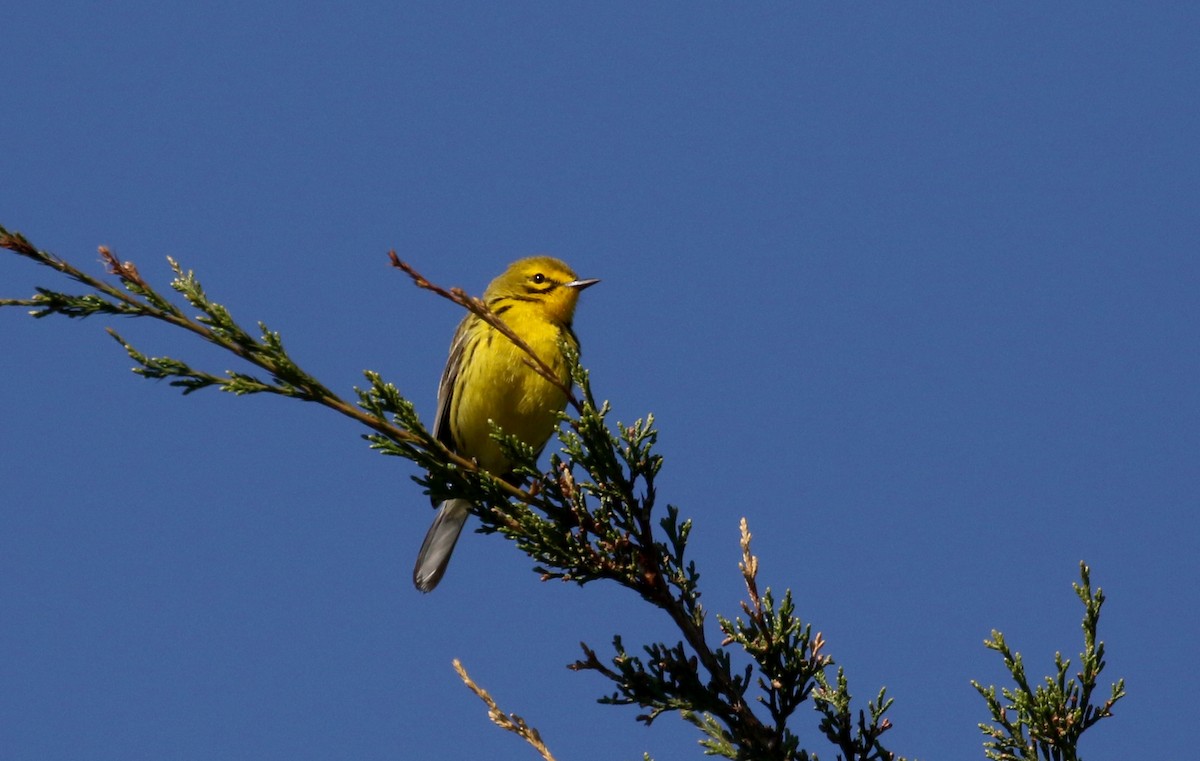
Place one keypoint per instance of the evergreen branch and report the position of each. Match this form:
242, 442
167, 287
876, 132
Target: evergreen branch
1045, 723
786, 652
857, 738
592, 517
380, 407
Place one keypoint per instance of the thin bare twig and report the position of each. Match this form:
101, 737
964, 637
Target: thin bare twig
507, 721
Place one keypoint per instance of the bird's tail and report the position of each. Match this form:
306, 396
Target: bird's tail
439, 543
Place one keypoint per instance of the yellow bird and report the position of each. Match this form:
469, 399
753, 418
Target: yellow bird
487, 378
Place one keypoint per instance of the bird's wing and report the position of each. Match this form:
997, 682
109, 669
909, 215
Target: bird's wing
441, 423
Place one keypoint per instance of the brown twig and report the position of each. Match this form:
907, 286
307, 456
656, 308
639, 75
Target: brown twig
506, 721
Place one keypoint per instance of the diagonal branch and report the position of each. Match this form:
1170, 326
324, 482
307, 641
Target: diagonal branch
506, 721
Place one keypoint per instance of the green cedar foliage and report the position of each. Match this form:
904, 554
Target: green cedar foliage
592, 517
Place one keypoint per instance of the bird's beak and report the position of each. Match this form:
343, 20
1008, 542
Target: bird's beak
579, 285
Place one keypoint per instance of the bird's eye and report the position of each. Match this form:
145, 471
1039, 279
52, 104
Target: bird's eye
539, 278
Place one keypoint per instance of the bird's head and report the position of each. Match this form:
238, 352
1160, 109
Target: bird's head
541, 280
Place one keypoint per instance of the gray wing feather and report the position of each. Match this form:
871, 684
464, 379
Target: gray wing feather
445, 399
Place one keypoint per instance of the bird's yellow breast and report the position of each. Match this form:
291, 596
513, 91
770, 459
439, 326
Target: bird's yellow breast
496, 383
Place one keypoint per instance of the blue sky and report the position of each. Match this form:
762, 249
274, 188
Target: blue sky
912, 288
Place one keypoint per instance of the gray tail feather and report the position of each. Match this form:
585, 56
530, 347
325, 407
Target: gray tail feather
439, 543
